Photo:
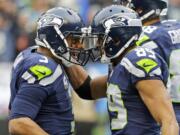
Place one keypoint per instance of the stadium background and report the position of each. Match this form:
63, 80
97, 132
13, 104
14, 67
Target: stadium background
17, 31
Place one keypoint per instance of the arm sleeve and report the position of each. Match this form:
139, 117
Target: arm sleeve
28, 101
84, 91
135, 79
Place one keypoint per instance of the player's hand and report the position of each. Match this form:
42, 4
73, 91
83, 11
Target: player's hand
65, 58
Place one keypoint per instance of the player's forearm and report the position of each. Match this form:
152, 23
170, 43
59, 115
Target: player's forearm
25, 126
167, 119
157, 100
79, 80
77, 75
170, 127
99, 87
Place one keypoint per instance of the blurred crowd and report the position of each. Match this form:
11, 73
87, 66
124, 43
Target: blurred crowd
18, 20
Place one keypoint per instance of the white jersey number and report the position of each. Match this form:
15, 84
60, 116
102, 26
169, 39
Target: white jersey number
174, 69
142, 52
116, 105
149, 29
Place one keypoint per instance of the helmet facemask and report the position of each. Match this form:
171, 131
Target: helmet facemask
78, 47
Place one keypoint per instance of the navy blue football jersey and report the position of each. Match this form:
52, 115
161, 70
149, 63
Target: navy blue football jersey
39, 90
128, 114
164, 39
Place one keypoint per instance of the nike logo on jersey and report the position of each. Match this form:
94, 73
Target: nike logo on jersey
40, 71
147, 65
43, 73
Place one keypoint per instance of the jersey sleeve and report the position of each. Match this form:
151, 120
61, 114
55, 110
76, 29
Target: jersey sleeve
147, 42
28, 101
142, 64
35, 85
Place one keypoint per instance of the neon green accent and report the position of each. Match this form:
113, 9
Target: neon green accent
147, 64
40, 71
175, 101
142, 40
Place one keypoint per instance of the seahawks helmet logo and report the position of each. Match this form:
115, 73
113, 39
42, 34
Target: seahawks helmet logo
116, 21
49, 20
120, 21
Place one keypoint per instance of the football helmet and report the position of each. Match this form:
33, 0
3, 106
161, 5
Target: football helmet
147, 9
55, 27
116, 28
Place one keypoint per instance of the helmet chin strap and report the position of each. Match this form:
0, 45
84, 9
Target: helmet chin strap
135, 37
52, 51
66, 55
63, 58
105, 59
46, 45
40, 43
164, 12
56, 27
147, 15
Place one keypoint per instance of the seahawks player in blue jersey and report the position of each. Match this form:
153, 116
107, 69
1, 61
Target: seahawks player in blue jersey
40, 103
163, 38
136, 86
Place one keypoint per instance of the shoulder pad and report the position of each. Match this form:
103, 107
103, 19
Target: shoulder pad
44, 76
150, 29
140, 62
38, 68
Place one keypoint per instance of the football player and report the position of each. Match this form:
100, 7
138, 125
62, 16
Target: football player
136, 86
163, 38
40, 103
136, 92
